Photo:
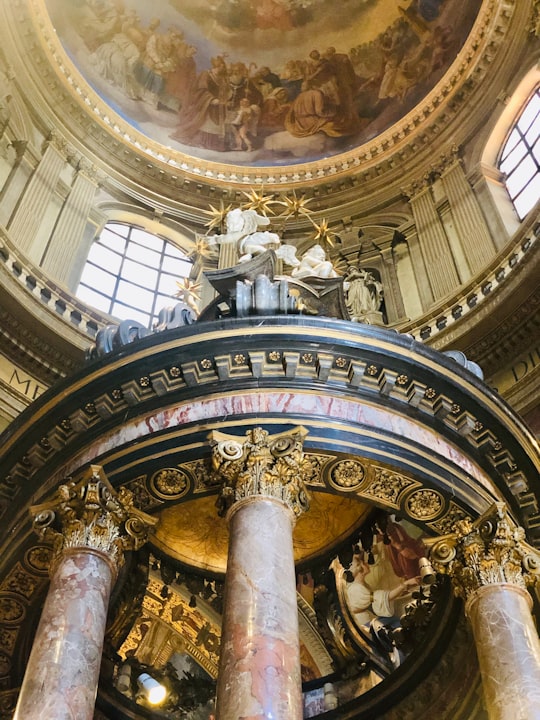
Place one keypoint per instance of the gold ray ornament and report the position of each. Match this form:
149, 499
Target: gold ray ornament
295, 206
188, 292
217, 216
259, 202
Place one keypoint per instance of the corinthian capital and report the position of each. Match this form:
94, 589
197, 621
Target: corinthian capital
490, 551
260, 465
90, 514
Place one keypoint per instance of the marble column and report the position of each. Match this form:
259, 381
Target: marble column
491, 565
262, 495
91, 526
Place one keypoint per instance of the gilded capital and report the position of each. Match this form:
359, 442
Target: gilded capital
260, 465
90, 514
489, 551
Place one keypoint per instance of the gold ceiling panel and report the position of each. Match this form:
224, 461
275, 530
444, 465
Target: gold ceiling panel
197, 537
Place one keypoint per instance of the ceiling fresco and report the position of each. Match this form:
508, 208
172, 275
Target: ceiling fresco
266, 82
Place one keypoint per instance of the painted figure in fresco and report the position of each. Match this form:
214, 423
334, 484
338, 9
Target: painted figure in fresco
403, 551
366, 603
202, 117
245, 124
347, 83
116, 59
310, 114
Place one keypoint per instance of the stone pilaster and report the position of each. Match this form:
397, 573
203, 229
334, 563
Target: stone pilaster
90, 526
25, 222
262, 494
471, 226
71, 224
435, 247
491, 565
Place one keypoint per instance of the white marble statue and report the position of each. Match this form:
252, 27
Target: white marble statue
314, 264
363, 295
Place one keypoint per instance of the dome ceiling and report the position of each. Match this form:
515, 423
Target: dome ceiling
261, 84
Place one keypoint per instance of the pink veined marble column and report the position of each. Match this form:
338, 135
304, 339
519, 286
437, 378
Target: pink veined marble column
491, 565
62, 674
259, 674
508, 651
91, 526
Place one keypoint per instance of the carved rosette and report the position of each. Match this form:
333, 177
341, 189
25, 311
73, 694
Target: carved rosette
490, 551
90, 514
260, 465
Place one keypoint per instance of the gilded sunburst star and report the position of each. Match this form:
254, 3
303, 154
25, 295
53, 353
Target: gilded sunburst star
188, 292
217, 216
295, 205
259, 202
201, 250
324, 234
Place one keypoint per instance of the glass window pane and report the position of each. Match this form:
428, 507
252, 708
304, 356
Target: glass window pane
143, 237
105, 258
97, 278
137, 257
128, 313
143, 255
533, 132
173, 251
119, 228
529, 114
112, 240
526, 200
511, 143
175, 266
168, 284
87, 295
513, 158
536, 151
521, 176
140, 274
134, 296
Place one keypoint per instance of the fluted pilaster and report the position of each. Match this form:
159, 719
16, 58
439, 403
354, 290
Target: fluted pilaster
470, 224
28, 216
71, 224
441, 268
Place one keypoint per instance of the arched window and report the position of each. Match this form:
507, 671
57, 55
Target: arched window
520, 158
131, 273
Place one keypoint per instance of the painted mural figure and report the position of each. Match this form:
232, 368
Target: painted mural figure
366, 603
245, 125
202, 117
303, 105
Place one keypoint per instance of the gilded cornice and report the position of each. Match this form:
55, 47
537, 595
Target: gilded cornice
167, 172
